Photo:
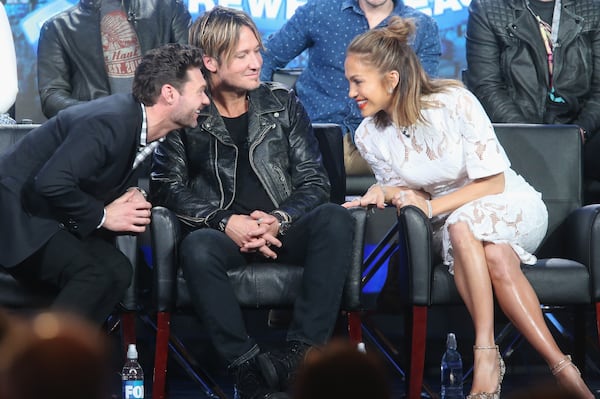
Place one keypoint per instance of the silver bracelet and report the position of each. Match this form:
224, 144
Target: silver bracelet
429, 209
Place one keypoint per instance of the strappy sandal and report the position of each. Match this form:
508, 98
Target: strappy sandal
501, 368
562, 364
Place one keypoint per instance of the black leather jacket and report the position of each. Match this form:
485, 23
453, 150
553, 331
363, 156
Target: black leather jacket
193, 170
508, 69
70, 59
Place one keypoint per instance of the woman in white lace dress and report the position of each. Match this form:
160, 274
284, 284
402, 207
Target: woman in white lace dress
431, 145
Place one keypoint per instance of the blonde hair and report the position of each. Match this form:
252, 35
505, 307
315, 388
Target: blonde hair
217, 32
387, 49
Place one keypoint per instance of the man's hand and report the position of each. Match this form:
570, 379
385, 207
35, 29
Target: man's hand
254, 233
128, 213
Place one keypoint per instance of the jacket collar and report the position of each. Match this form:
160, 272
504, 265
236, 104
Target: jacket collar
95, 4
261, 101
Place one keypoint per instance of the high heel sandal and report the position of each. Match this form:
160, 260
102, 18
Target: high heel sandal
501, 370
562, 364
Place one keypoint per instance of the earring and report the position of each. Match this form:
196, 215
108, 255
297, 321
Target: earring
390, 90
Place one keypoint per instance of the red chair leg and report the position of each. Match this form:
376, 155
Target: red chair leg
417, 354
163, 321
354, 327
128, 328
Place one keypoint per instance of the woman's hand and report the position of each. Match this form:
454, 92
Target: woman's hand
406, 197
375, 195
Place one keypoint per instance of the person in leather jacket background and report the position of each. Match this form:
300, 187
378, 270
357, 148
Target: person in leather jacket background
91, 50
248, 185
526, 71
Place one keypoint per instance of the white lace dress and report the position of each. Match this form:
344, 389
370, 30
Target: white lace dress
457, 146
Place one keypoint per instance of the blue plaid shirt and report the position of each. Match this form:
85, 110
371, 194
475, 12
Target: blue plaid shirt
326, 28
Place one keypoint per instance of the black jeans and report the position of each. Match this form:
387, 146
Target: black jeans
320, 242
90, 274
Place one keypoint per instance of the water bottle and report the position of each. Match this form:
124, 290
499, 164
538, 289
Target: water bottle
132, 375
451, 371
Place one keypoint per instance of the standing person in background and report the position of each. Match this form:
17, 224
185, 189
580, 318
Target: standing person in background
432, 146
538, 61
248, 185
66, 186
326, 28
9, 81
92, 49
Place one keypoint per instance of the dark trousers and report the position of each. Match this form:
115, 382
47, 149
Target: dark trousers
320, 242
91, 274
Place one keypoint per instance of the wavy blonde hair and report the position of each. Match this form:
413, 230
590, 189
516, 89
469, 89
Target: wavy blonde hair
387, 49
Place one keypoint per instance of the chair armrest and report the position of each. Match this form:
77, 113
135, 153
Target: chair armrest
415, 267
128, 245
352, 289
165, 235
582, 239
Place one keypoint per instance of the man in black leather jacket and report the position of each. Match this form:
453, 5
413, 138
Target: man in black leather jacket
81, 49
508, 68
249, 185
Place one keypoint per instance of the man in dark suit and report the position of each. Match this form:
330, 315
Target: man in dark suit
64, 187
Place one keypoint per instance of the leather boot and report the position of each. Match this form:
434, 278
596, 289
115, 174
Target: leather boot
279, 368
250, 383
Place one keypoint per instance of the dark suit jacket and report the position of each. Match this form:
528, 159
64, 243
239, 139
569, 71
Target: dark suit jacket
62, 174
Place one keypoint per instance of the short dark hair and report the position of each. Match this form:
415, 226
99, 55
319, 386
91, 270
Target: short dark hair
167, 64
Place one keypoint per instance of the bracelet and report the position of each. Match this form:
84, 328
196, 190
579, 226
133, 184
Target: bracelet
429, 209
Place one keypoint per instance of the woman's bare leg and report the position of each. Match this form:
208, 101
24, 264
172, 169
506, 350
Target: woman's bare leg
519, 302
474, 285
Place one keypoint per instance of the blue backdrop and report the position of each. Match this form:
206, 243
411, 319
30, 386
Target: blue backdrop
27, 16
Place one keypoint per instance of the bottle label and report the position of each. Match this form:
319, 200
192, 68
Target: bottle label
133, 389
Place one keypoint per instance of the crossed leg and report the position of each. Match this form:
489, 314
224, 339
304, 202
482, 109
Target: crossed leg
484, 269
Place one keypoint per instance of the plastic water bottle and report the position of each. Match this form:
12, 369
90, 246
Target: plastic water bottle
132, 375
451, 371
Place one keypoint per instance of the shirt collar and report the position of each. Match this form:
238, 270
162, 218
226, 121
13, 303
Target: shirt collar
354, 5
144, 131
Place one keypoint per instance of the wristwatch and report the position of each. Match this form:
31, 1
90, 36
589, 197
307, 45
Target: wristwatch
223, 223
285, 221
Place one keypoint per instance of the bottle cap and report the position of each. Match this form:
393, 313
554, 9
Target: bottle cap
451, 341
361, 347
132, 352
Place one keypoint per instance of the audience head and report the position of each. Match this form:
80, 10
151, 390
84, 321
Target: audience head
384, 59
52, 356
224, 35
165, 65
340, 371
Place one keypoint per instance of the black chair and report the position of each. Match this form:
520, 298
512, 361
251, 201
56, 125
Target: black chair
15, 296
567, 273
279, 284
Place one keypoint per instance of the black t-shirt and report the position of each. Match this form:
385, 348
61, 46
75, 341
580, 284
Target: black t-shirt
250, 194
545, 9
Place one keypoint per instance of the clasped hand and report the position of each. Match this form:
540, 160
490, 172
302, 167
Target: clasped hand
128, 213
256, 232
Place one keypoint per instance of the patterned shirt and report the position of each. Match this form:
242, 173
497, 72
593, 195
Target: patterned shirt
326, 28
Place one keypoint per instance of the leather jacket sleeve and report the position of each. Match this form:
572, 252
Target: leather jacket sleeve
589, 115
171, 184
310, 184
484, 77
54, 72
181, 23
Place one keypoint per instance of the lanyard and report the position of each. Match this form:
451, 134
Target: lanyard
550, 37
